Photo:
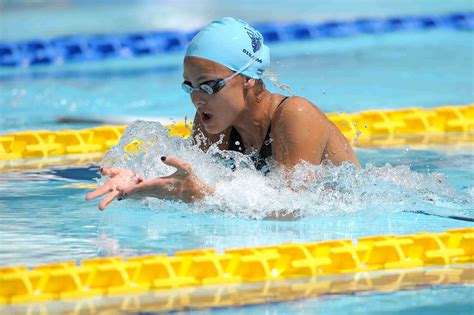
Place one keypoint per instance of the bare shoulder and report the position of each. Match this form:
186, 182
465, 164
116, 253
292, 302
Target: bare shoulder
298, 112
303, 132
300, 132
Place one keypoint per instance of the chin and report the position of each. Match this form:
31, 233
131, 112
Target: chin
214, 130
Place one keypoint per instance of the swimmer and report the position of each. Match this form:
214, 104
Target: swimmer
223, 68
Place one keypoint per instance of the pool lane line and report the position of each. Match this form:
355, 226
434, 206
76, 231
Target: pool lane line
201, 268
246, 294
51, 163
454, 217
371, 128
115, 120
82, 48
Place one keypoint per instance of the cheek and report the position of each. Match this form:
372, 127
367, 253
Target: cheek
225, 113
227, 105
232, 97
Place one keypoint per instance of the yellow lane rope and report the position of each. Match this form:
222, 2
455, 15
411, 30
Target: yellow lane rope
374, 128
110, 276
242, 294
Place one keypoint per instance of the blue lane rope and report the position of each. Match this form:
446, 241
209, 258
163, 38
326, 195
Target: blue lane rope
99, 47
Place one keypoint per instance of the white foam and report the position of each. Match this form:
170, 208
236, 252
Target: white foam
307, 190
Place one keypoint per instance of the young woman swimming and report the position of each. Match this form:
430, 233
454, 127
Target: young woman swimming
223, 69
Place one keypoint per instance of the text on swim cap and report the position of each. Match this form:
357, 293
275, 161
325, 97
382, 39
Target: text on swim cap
248, 53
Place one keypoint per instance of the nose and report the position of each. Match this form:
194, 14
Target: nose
198, 98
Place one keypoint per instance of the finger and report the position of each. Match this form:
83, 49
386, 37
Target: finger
108, 199
182, 167
126, 191
153, 184
137, 179
178, 172
102, 190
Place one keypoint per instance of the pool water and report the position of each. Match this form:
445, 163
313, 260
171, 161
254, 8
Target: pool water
434, 300
48, 19
399, 70
44, 217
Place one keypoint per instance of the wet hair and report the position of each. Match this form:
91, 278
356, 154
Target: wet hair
258, 89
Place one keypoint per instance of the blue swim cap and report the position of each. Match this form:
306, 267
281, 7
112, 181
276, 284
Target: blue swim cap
234, 44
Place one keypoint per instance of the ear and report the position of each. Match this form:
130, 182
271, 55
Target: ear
249, 83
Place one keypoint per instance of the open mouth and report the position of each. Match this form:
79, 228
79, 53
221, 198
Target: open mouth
206, 117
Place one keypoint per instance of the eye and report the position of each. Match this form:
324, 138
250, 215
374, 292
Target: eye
207, 88
210, 83
187, 87
214, 85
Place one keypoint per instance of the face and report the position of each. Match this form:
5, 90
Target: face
219, 110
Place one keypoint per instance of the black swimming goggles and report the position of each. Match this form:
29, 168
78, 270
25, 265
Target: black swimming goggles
210, 87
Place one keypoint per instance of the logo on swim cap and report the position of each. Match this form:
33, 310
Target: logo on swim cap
256, 39
234, 44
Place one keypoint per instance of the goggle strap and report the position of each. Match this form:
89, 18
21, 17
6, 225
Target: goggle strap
248, 64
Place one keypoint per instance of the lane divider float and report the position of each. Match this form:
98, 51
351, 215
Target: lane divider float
373, 128
244, 294
108, 276
81, 48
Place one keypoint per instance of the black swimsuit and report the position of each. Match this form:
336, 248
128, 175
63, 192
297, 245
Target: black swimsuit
236, 144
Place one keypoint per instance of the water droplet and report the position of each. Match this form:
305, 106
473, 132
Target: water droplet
358, 133
237, 142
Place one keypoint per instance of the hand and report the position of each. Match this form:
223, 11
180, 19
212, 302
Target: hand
119, 176
182, 185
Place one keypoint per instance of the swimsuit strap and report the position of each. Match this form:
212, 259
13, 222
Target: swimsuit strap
281, 102
236, 143
266, 149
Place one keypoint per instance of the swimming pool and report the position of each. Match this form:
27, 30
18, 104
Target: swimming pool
45, 219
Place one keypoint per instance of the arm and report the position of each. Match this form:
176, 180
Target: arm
181, 185
300, 133
303, 133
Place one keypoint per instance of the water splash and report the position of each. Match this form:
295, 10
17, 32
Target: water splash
273, 77
307, 190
